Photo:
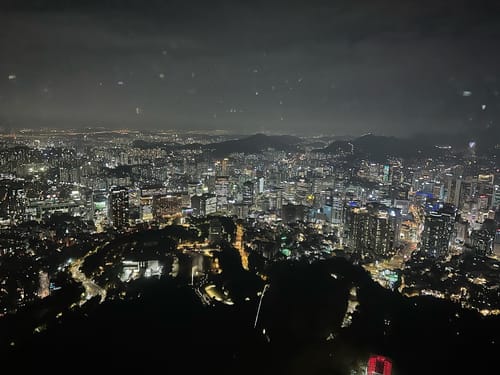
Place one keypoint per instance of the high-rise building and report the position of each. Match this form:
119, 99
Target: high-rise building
438, 228
482, 241
248, 192
261, 184
119, 207
224, 166
373, 230
462, 231
204, 205
337, 204
222, 192
12, 200
486, 190
146, 208
454, 191
195, 188
276, 199
495, 201
100, 208
44, 284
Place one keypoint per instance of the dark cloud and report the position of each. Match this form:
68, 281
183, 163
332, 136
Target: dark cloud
331, 66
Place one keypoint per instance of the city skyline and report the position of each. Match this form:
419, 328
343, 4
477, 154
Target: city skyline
280, 187
253, 248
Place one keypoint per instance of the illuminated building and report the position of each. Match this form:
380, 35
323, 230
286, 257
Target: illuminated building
149, 191
204, 205
146, 207
482, 242
119, 207
44, 284
38, 209
438, 228
373, 229
403, 205
261, 184
12, 200
453, 191
337, 204
248, 192
495, 201
462, 231
224, 167
486, 190
276, 199
379, 365
195, 188
222, 192
167, 205
100, 209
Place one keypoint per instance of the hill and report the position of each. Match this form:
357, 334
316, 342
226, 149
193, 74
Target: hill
255, 144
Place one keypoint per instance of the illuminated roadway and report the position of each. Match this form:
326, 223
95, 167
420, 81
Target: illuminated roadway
238, 244
91, 288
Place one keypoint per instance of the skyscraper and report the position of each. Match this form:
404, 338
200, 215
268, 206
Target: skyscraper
373, 230
119, 207
337, 204
454, 191
204, 205
222, 192
436, 235
248, 192
224, 167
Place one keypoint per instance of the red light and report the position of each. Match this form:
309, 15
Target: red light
379, 365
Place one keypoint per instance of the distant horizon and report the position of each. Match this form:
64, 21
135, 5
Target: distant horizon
231, 132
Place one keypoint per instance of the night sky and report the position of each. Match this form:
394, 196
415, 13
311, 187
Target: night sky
393, 67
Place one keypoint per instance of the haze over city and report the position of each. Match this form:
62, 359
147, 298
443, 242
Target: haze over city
331, 67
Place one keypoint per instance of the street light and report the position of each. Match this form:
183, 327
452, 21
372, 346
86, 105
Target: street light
260, 303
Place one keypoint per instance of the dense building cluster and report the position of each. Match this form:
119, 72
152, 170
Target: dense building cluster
408, 220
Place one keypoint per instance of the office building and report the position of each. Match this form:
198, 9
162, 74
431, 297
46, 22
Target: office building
248, 192
204, 205
222, 192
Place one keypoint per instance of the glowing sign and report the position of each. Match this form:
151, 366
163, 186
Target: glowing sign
379, 365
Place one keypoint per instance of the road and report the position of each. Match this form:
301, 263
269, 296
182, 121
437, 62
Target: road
238, 244
91, 288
